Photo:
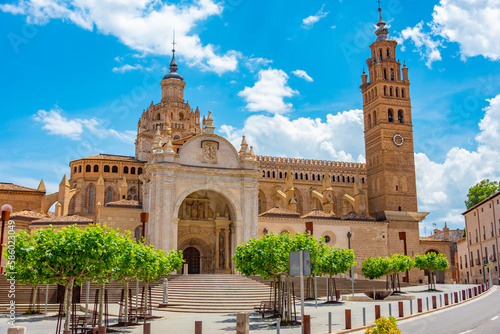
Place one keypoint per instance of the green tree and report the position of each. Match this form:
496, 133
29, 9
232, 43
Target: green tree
431, 262
481, 191
376, 267
400, 264
336, 261
25, 269
153, 263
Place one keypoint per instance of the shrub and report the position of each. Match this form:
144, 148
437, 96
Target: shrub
384, 325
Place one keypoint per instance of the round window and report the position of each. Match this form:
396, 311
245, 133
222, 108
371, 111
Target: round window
327, 238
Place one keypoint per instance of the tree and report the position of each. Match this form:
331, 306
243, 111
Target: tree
376, 267
431, 262
336, 261
481, 191
153, 263
400, 264
25, 269
268, 257
72, 255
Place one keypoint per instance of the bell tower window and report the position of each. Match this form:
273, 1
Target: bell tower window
390, 116
400, 116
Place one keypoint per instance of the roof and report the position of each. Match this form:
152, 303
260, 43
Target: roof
318, 214
482, 202
27, 215
454, 235
14, 187
64, 220
102, 156
357, 216
124, 203
280, 213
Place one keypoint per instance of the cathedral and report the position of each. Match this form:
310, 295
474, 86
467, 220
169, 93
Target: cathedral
205, 197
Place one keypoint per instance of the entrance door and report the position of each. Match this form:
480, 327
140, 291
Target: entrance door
192, 257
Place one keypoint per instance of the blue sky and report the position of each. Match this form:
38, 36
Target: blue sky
77, 75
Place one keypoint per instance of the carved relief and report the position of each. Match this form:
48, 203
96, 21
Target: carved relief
209, 151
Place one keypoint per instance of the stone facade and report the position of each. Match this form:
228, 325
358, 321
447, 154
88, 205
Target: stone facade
482, 226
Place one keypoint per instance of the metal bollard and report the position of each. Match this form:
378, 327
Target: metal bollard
307, 324
411, 307
197, 327
390, 309
440, 301
456, 297
401, 311
147, 328
475, 291
427, 300
364, 316
329, 322
434, 302
377, 312
347, 319
446, 300
278, 326
419, 305
463, 295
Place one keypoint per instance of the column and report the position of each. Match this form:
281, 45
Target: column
226, 240
217, 232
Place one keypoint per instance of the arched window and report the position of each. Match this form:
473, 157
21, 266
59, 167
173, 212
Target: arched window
374, 118
181, 116
132, 170
385, 90
369, 120
274, 174
106, 169
403, 93
263, 173
268, 174
397, 188
366, 97
158, 116
362, 180
88, 168
392, 74
296, 176
397, 92
90, 200
400, 116
390, 91
390, 116
114, 169
96, 169
385, 74
313, 177
399, 208
388, 53
74, 170
381, 55
109, 195
125, 170
301, 176
79, 169
343, 178
177, 137
139, 171
281, 175
375, 91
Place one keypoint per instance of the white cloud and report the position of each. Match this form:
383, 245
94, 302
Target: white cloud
302, 74
254, 63
309, 21
268, 92
59, 125
142, 25
127, 68
445, 185
305, 137
474, 24
426, 46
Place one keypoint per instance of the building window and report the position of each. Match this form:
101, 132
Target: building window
96, 169
138, 234
465, 261
385, 74
125, 170
327, 238
399, 208
109, 195
90, 200
390, 116
114, 169
79, 169
476, 236
106, 169
402, 92
132, 170
484, 232
139, 171
392, 74
390, 91
492, 230
401, 116
74, 170
470, 239
88, 168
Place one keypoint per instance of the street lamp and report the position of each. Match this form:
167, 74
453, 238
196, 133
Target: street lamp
349, 235
144, 220
6, 210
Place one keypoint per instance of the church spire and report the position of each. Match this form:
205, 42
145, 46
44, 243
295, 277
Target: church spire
173, 65
381, 31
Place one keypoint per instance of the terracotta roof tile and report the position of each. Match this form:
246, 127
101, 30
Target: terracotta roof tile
111, 157
320, 214
64, 219
27, 215
124, 203
279, 212
15, 187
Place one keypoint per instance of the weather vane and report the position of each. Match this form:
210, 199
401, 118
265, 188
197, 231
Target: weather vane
173, 43
379, 2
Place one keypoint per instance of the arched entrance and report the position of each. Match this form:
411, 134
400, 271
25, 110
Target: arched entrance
192, 258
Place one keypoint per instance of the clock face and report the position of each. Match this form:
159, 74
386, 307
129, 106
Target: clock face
398, 139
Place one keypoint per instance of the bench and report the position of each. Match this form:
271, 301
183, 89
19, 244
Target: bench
265, 306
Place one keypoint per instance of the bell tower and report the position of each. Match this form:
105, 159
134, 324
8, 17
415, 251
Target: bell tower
388, 131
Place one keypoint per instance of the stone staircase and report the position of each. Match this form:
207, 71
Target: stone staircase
211, 294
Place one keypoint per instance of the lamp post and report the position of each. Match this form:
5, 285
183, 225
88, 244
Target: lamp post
144, 220
402, 236
349, 235
6, 210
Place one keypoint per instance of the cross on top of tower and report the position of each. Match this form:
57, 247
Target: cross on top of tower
379, 2
173, 43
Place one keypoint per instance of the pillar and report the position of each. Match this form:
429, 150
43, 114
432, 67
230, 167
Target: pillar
217, 249
226, 247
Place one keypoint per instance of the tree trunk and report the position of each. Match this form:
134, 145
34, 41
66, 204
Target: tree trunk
68, 289
335, 289
279, 303
126, 302
289, 298
35, 293
146, 310
101, 304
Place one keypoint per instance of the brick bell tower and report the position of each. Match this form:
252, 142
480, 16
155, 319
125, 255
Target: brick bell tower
388, 129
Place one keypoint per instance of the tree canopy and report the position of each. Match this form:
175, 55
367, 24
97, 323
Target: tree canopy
376, 267
480, 192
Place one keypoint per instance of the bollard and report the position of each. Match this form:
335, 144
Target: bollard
364, 316
456, 297
463, 294
434, 302
197, 327
146, 329
102, 330
278, 326
377, 312
411, 307
66, 331
95, 330
242, 323
17, 330
427, 300
347, 319
307, 324
446, 299
390, 310
401, 311
419, 305
329, 322
440, 301
475, 291
470, 293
